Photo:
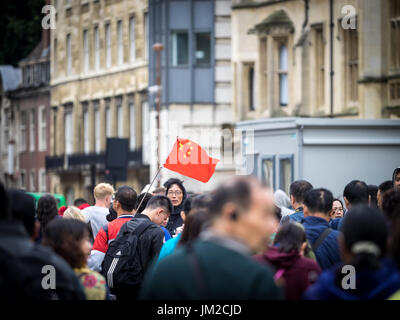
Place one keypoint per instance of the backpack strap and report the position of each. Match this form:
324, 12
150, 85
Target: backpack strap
321, 238
139, 228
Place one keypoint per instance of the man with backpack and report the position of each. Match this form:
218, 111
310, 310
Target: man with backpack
323, 240
137, 243
124, 205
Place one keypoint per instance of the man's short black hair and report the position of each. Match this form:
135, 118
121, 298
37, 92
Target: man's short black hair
319, 200
299, 189
356, 192
127, 197
147, 196
385, 186
160, 202
80, 201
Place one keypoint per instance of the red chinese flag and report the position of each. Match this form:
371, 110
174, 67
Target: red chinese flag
190, 160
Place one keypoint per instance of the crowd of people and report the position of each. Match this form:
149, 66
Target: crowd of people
240, 241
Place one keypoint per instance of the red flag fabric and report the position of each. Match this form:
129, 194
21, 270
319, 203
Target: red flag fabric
191, 160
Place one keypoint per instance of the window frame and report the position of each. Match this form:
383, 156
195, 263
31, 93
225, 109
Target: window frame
172, 52
282, 157
42, 126
272, 158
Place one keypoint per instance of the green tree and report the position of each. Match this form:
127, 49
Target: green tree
20, 29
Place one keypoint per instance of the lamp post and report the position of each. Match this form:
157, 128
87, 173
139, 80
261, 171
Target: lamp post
157, 48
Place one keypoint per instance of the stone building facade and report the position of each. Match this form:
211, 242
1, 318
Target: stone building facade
99, 80
286, 62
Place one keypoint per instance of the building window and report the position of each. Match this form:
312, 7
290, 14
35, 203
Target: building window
97, 127
351, 65
252, 88
395, 34
268, 170
22, 131
108, 46
285, 172
96, 49
120, 43
179, 48
132, 126
32, 180
68, 133
42, 129
22, 180
120, 118
69, 58
320, 65
132, 39
283, 75
145, 131
203, 48
42, 180
85, 51
86, 144
108, 118
32, 137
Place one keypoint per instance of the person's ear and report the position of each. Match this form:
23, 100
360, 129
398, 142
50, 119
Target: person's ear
229, 212
306, 211
347, 203
292, 200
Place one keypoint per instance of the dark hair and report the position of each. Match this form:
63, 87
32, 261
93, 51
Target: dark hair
237, 191
168, 184
147, 197
195, 222
391, 209
64, 237
187, 204
80, 201
336, 199
385, 186
160, 202
290, 236
319, 200
356, 192
46, 210
202, 201
127, 198
299, 189
112, 214
391, 204
372, 192
5, 212
278, 212
22, 207
366, 224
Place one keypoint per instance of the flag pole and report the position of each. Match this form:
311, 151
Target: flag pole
148, 189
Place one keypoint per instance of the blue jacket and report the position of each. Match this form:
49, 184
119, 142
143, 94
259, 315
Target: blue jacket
327, 253
335, 223
376, 285
297, 216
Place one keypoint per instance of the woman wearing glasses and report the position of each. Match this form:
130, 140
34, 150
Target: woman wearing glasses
336, 214
176, 192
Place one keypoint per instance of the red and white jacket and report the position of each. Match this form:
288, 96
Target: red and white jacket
103, 239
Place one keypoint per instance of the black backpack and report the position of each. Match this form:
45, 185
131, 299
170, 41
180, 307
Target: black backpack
122, 265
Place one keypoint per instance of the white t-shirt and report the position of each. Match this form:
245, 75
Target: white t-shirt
97, 218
